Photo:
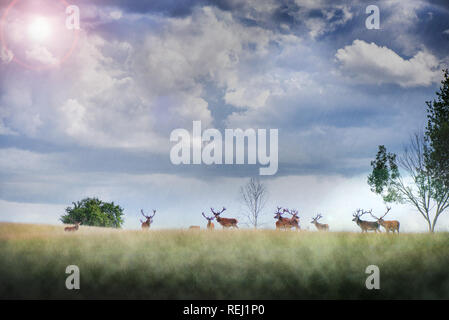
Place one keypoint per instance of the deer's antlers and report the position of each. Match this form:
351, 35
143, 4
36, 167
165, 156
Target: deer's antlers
211, 218
141, 211
388, 210
292, 212
217, 213
361, 212
148, 217
279, 212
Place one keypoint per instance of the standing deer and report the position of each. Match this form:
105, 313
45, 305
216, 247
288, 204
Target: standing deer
294, 220
225, 222
280, 219
146, 224
282, 222
392, 225
210, 225
365, 225
286, 223
74, 228
320, 226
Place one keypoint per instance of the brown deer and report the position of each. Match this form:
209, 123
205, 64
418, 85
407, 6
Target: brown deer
365, 225
210, 225
281, 222
392, 225
320, 226
286, 223
74, 228
225, 222
294, 220
149, 220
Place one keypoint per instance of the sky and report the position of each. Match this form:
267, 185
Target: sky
89, 112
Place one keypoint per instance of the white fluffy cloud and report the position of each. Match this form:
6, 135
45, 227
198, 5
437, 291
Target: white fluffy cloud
369, 63
130, 94
329, 20
6, 55
116, 15
41, 54
122, 94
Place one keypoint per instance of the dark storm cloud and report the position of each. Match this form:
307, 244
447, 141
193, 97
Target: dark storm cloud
433, 19
430, 30
166, 7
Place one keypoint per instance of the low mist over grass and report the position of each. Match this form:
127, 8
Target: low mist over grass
234, 264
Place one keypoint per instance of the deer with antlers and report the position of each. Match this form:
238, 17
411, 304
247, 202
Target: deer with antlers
320, 226
286, 223
294, 220
389, 225
365, 225
149, 220
282, 222
210, 225
225, 222
74, 228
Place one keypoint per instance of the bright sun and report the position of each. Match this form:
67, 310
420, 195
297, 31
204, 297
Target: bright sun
39, 29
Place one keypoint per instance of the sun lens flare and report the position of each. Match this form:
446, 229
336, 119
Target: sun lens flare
39, 29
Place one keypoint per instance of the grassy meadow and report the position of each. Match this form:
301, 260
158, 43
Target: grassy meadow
234, 264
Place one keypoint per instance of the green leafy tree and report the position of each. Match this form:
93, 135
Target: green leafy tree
384, 175
94, 212
437, 131
418, 187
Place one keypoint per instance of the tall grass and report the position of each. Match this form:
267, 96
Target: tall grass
235, 264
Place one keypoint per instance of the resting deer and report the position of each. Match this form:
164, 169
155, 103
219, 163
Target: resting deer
74, 228
225, 222
392, 225
210, 225
365, 225
146, 224
320, 226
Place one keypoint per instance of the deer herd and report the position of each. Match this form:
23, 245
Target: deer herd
282, 222
392, 225
285, 223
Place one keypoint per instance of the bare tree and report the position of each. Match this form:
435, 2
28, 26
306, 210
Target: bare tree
428, 194
419, 188
254, 195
